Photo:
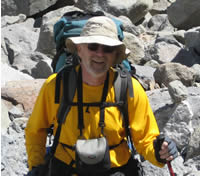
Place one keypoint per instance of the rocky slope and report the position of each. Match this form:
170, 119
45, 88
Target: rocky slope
164, 39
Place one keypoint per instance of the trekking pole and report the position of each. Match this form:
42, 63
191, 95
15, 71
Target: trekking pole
170, 169
161, 139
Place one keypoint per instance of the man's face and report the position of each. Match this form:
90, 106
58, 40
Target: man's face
96, 59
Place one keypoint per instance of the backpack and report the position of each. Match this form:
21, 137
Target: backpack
70, 25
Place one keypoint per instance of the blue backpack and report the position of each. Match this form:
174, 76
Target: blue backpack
70, 25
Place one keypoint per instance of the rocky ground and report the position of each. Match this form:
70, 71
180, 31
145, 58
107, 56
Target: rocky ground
164, 39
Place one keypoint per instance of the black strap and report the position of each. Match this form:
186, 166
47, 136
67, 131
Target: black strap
56, 140
56, 58
80, 102
64, 108
102, 107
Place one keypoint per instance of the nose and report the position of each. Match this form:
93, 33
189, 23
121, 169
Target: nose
100, 51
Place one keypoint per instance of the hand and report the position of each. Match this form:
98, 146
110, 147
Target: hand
164, 152
165, 149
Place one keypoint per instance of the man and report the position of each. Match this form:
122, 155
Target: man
99, 49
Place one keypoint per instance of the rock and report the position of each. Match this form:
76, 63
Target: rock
12, 75
194, 145
22, 92
159, 7
5, 121
8, 20
180, 17
192, 39
27, 7
168, 72
196, 68
162, 52
19, 38
179, 125
183, 55
46, 42
42, 69
134, 44
160, 22
177, 91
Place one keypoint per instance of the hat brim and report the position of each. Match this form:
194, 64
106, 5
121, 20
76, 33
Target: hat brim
103, 40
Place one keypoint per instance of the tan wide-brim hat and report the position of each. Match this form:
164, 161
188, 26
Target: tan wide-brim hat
101, 30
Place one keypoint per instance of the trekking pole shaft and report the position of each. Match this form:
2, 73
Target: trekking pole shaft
170, 168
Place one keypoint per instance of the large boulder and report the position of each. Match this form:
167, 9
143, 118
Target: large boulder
22, 92
19, 38
135, 44
168, 72
184, 14
192, 39
27, 7
46, 42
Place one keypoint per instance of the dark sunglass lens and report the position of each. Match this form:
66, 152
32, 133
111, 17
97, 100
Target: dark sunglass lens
93, 46
108, 49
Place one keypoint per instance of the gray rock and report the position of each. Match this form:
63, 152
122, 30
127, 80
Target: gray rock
193, 148
42, 69
134, 44
159, 7
187, 57
152, 63
46, 42
192, 39
168, 72
27, 7
5, 121
162, 52
19, 38
16, 112
160, 22
180, 17
177, 91
12, 74
196, 68
179, 126
8, 20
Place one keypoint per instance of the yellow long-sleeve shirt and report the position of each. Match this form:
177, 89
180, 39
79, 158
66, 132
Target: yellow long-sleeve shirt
143, 125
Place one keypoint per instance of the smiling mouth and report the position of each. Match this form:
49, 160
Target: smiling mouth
98, 62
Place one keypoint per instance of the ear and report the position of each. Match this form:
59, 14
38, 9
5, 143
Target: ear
78, 47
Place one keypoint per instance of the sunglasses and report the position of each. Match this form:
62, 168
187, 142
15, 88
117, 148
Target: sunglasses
105, 48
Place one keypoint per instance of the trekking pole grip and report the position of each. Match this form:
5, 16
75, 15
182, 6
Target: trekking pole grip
160, 140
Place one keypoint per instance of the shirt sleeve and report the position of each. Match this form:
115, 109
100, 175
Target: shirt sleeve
143, 125
40, 120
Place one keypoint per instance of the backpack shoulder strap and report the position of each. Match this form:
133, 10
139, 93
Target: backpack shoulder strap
123, 83
68, 76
